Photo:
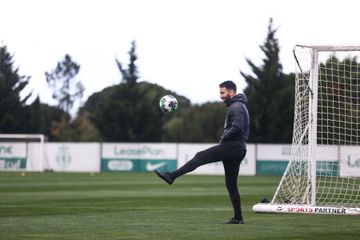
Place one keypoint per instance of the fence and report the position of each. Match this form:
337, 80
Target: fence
261, 159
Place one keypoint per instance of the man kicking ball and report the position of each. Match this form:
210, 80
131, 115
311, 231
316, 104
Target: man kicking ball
231, 149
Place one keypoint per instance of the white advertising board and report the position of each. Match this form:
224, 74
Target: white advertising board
273, 152
72, 157
282, 152
35, 157
13, 156
272, 159
138, 157
12, 150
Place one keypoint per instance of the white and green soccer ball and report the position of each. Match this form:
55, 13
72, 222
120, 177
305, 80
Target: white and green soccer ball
168, 103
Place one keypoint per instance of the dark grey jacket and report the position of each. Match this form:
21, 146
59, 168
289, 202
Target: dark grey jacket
237, 121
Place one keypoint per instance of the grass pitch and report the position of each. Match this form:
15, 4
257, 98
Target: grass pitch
141, 206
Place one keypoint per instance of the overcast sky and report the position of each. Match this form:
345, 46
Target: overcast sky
187, 46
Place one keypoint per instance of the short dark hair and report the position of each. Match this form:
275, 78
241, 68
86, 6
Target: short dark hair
229, 85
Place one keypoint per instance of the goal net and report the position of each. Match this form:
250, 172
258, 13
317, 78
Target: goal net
323, 174
22, 152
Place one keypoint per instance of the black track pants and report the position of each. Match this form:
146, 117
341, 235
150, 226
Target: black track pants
231, 154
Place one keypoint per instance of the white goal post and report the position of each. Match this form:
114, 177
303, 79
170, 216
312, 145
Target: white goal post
323, 173
22, 152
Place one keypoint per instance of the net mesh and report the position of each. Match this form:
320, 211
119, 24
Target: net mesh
326, 129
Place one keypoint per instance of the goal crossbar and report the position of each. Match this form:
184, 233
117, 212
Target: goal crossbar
329, 48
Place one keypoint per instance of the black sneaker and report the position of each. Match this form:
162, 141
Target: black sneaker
235, 221
165, 176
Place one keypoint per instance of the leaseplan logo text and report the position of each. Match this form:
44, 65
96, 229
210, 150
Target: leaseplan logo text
137, 151
152, 166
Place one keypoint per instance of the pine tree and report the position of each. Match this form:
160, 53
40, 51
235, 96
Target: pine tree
12, 106
270, 95
129, 75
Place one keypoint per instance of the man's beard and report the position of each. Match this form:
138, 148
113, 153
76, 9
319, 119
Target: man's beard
226, 100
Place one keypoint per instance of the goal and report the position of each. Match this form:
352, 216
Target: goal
22, 152
323, 173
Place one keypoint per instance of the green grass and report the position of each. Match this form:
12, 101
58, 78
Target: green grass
141, 206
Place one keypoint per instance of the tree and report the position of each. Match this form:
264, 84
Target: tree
118, 118
83, 129
129, 75
62, 80
66, 90
270, 93
339, 101
12, 106
198, 123
129, 110
46, 119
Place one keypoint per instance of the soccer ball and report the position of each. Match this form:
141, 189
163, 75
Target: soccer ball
168, 103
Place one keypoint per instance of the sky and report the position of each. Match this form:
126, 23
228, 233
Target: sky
186, 46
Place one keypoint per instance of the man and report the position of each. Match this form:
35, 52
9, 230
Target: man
231, 149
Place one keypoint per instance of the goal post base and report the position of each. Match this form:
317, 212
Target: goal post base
303, 209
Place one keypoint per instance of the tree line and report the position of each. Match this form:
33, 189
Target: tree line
129, 112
